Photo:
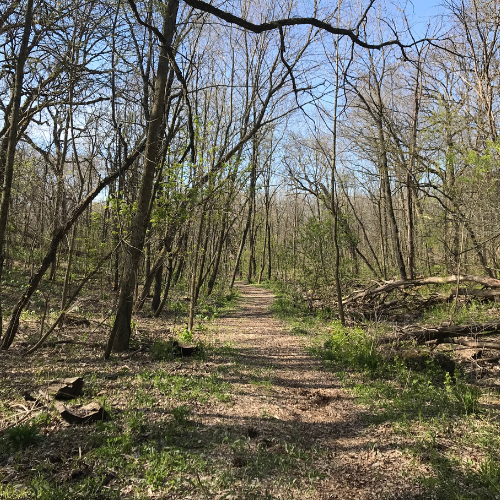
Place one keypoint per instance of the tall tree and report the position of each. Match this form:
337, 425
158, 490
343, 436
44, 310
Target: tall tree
121, 331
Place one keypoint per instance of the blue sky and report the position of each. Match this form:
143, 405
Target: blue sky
422, 10
425, 8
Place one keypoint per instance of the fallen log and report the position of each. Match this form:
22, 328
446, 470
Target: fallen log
471, 343
474, 292
494, 359
401, 284
422, 335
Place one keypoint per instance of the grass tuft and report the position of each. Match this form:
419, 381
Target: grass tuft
21, 436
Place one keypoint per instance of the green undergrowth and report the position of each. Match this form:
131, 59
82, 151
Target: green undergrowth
447, 423
473, 311
159, 454
170, 350
290, 307
393, 385
20, 437
209, 310
186, 388
158, 442
288, 303
219, 302
208, 307
425, 403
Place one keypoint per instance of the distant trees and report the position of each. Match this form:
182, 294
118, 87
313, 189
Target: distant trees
306, 145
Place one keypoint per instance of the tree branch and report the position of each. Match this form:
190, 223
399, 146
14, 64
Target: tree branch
294, 21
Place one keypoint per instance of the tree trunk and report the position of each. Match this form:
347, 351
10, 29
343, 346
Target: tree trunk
52, 251
168, 281
220, 245
67, 276
201, 276
269, 263
263, 265
386, 189
7, 168
120, 334
251, 194
411, 167
192, 303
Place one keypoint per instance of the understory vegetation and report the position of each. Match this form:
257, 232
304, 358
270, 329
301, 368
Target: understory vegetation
156, 440
426, 396
159, 157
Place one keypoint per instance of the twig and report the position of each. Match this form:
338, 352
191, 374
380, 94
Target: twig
128, 356
27, 414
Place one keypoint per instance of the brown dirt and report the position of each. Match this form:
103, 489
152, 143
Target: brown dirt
305, 404
288, 431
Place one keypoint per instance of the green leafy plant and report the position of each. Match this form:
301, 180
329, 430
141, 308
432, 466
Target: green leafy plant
185, 336
352, 347
181, 414
22, 436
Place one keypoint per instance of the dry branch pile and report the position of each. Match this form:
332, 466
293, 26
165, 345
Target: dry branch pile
395, 294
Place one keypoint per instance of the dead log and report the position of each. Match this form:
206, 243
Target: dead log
471, 343
474, 292
422, 335
401, 284
494, 359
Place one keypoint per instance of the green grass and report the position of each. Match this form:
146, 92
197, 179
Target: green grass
170, 456
440, 414
262, 384
288, 302
393, 387
218, 303
20, 437
426, 400
186, 388
157, 442
472, 312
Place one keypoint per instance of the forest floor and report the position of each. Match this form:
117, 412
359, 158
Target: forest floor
255, 415
291, 401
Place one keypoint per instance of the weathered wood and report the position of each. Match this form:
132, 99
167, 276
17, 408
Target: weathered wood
493, 359
68, 388
438, 280
471, 343
93, 412
474, 292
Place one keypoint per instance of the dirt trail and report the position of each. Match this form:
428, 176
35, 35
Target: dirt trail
282, 395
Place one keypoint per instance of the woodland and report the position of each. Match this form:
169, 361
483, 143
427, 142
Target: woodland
163, 161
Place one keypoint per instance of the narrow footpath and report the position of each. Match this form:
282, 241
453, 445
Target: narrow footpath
284, 399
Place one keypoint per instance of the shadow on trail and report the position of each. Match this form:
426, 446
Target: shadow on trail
303, 439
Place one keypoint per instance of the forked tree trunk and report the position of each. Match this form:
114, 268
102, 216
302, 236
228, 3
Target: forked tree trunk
7, 169
120, 333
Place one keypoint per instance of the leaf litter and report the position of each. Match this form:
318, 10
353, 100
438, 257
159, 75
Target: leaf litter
255, 417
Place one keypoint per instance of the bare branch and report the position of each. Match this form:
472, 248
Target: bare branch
294, 21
